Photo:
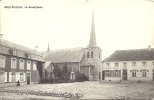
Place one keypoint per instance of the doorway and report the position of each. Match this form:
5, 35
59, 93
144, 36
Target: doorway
124, 75
103, 75
28, 78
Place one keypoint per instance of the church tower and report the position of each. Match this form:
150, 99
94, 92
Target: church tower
93, 54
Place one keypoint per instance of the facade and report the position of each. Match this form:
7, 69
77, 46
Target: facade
86, 60
131, 65
19, 63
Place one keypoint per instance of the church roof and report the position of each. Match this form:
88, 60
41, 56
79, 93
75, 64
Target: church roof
47, 63
5, 47
65, 55
85, 63
92, 41
131, 55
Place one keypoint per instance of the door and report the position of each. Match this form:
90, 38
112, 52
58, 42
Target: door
28, 78
103, 75
124, 75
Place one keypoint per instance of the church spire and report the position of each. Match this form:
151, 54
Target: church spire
48, 46
92, 41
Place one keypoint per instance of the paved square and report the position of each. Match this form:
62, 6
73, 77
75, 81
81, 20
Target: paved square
90, 90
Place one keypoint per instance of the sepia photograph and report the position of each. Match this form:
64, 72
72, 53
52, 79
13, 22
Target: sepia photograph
77, 49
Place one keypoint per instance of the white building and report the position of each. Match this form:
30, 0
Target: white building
131, 65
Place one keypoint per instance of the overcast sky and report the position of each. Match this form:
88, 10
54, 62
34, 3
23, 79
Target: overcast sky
119, 24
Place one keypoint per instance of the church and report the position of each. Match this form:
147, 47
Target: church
86, 60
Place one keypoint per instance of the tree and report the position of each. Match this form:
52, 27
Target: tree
57, 71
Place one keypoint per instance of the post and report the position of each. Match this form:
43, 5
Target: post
89, 72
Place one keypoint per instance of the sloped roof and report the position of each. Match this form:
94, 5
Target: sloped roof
47, 63
65, 55
84, 62
21, 50
131, 55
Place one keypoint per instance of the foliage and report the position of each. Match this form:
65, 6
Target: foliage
46, 80
57, 72
80, 77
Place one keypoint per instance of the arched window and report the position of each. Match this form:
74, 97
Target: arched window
13, 63
34, 65
21, 64
2, 61
28, 65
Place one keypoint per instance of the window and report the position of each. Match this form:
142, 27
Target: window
13, 77
133, 63
133, 73
28, 55
91, 54
28, 65
21, 76
2, 61
107, 73
125, 64
116, 73
144, 74
115, 64
21, 64
13, 63
14, 52
144, 63
107, 64
87, 54
34, 65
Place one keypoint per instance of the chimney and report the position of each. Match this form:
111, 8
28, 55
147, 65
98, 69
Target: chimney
1, 37
149, 47
36, 48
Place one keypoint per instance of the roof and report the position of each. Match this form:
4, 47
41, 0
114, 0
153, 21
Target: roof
21, 50
131, 55
85, 63
92, 41
65, 55
47, 63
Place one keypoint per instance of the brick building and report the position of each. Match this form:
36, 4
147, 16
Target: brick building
19, 63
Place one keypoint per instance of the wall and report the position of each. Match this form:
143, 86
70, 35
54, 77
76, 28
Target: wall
149, 66
8, 69
95, 61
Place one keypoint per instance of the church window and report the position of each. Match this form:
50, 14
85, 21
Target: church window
91, 54
87, 54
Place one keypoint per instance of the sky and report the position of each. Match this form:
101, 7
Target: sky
119, 24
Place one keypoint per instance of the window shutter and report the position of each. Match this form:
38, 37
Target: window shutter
17, 77
24, 76
5, 77
140, 73
119, 73
10, 76
130, 74
137, 73
147, 73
